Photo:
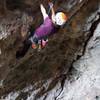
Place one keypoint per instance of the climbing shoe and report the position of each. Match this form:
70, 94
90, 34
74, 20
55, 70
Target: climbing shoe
43, 43
34, 46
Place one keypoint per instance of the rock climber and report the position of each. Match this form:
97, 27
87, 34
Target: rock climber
39, 37
48, 26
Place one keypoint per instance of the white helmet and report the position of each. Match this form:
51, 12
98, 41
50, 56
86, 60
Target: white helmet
61, 18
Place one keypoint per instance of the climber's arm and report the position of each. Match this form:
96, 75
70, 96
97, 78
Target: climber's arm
52, 11
43, 10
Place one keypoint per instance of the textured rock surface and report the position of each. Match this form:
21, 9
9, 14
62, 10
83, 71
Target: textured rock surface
54, 62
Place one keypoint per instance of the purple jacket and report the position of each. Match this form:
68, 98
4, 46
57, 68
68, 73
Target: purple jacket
45, 29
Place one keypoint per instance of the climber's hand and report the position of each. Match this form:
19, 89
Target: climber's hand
51, 5
42, 8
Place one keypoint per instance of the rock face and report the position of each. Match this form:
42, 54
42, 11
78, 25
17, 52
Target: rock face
48, 69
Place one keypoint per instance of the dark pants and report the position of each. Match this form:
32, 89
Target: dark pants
36, 40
